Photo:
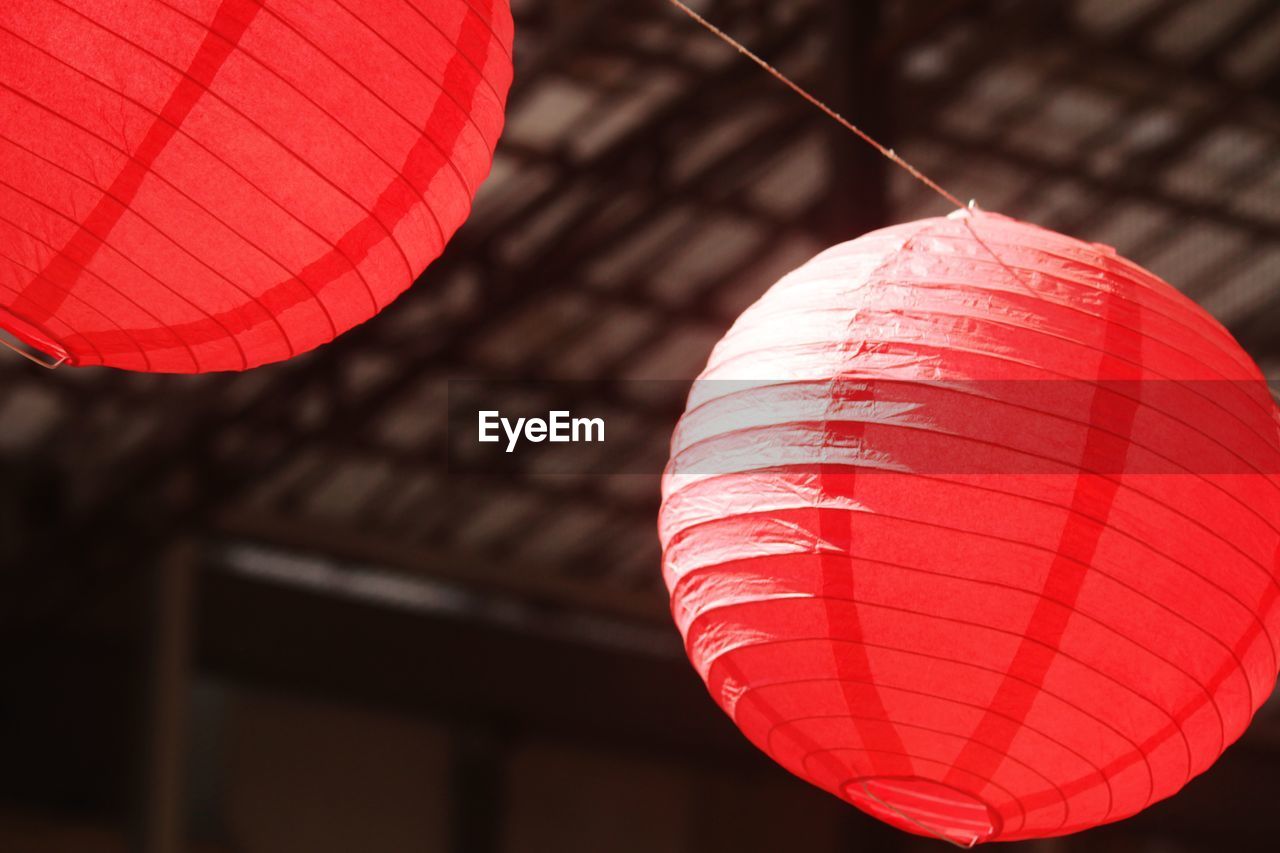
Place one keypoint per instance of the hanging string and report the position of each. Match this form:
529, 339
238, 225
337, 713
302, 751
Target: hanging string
844, 122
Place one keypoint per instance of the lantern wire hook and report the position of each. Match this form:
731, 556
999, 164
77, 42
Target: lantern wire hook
795, 87
34, 359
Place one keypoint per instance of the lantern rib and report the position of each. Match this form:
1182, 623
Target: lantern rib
782, 724
168, 182
129, 333
1138, 754
178, 129
159, 121
995, 357
673, 469
489, 145
1207, 700
487, 20
919, 347
958, 391
413, 126
1181, 318
1134, 747
1274, 585
753, 689
290, 213
711, 662
141, 352
1012, 799
370, 215
801, 346
71, 295
1231, 653
396, 173
939, 835
107, 244
1179, 315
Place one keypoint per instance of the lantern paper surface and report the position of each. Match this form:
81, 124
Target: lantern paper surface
204, 185
972, 615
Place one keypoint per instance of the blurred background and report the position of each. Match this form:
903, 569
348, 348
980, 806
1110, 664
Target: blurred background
256, 613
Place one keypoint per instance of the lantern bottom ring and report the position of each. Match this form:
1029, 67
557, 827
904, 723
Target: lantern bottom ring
925, 806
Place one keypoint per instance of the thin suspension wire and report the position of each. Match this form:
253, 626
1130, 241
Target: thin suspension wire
844, 122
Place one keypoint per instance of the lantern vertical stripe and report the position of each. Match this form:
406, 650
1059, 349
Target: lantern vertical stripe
1049, 641
1092, 504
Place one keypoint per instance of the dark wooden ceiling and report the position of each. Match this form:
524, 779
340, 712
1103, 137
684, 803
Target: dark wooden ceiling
650, 185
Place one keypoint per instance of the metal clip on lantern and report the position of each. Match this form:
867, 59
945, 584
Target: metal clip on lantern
40, 342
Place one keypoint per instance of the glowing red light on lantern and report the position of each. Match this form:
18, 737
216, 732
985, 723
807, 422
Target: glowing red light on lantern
218, 184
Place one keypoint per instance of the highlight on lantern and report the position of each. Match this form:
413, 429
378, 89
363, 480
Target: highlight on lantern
660, 426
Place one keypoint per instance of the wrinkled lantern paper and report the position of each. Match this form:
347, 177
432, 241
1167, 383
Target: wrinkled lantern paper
974, 526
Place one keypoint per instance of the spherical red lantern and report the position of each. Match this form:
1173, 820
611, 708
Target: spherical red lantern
217, 184
974, 526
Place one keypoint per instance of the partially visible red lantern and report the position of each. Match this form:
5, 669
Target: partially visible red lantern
1053, 638
217, 184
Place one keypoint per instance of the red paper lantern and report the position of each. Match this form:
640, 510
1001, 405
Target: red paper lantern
217, 184
979, 615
